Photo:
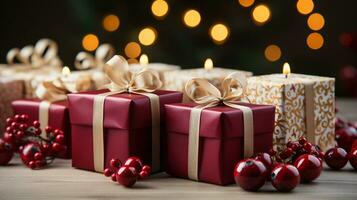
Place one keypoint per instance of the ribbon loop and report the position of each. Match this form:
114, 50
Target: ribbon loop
85, 60
207, 95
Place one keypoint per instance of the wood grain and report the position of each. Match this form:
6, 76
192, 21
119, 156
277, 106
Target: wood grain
61, 181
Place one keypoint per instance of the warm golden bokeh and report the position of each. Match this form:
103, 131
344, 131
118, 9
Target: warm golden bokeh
132, 61
315, 41
90, 42
159, 8
219, 33
272, 52
132, 50
305, 6
147, 36
144, 59
246, 3
316, 21
261, 14
192, 18
111, 23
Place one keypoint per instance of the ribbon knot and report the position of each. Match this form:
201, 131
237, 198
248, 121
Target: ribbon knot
207, 95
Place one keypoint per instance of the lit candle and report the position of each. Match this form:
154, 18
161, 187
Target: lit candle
144, 60
286, 69
208, 64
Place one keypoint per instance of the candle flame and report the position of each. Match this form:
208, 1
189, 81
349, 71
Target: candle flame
66, 71
144, 59
208, 64
286, 69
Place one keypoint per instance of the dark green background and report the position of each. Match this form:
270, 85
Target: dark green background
24, 22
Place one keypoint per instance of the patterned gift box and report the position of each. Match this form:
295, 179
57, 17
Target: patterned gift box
305, 106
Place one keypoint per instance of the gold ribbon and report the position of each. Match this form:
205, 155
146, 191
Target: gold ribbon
53, 91
44, 53
207, 95
85, 60
310, 111
123, 80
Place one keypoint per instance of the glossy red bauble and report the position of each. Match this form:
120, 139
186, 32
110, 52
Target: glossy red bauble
250, 174
353, 158
309, 167
285, 177
336, 158
345, 137
115, 163
6, 152
134, 162
28, 153
126, 176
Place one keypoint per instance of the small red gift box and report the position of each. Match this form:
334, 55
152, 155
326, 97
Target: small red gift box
58, 117
221, 139
127, 122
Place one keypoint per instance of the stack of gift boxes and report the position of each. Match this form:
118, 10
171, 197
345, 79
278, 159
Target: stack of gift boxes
121, 112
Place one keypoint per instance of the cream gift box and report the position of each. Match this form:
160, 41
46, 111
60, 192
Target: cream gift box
305, 106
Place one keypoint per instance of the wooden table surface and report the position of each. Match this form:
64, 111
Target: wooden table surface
60, 181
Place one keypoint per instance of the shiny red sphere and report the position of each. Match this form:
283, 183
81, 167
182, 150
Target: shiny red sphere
250, 174
134, 162
127, 176
336, 158
285, 177
309, 167
28, 153
345, 137
353, 158
115, 163
6, 152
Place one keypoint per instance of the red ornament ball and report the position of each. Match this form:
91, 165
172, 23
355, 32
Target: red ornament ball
134, 162
336, 158
126, 176
6, 152
353, 158
28, 155
250, 174
285, 177
345, 137
309, 167
115, 163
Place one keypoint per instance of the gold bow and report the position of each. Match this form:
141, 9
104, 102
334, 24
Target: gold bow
56, 90
43, 53
123, 80
207, 95
85, 60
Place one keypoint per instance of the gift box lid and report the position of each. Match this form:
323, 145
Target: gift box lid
122, 111
219, 121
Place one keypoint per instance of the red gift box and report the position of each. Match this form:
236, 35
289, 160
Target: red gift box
58, 117
126, 124
221, 139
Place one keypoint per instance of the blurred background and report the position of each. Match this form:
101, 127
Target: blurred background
315, 37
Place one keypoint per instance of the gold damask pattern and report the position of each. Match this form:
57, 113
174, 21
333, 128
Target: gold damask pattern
288, 95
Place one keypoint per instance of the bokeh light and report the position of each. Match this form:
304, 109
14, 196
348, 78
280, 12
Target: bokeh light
111, 23
159, 8
90, 42
261, 14
132, 50
315, 41
272, 52
192, 18
144, 59
147, 36
219, 33
246, 3
305, 6
316, 21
